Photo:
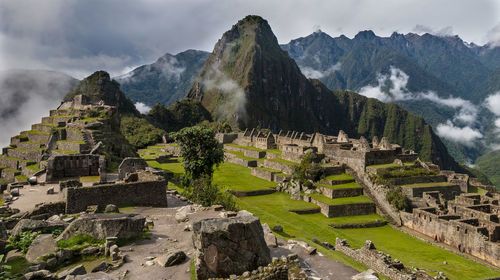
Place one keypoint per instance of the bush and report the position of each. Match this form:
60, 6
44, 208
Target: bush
397, 199
204, 192
308, 169
21, 241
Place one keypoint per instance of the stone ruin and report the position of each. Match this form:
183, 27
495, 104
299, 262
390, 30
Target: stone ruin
227, 246
470, 224
72, 166
379, 261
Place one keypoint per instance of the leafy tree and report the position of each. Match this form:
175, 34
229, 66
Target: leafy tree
139, 132
199, 150
204, 192
397, 199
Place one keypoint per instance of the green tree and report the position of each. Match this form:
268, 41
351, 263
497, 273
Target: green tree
308, 169
397, 199
199, 150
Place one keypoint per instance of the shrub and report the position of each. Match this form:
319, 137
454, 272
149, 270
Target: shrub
397, 199
204, 192
308, 169
21, 241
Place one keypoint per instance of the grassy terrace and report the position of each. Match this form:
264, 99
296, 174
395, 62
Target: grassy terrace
239, 178
341, 201
284, 161
274, 151
352, 185
18, 159
340, 177
242, 156
391, 165
174, 167
33, 167
21, 178
37, 132
72, 141
424, 185
277, 172
65, 152
274, 209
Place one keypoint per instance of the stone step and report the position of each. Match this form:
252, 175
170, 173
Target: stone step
44, 127
29, 155
74, 146
416, 180
448, 190
341, 191
65, 112
58, 119
14, 163
37, 136
18, 139
338, 179
27, 145
9, 173
341, 207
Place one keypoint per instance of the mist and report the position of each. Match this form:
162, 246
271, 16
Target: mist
26, 96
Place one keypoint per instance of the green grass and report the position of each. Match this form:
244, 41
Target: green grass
474, 189
1, 200
352, 185
274, 151
7, 169
33, 167
239, 178
37, 132
391, 165
272, 209
192, 270
88, 262
89, 120
48, 124
17, 159
242, 156
127, 209
21, 178
362, 219
65, 152
284, 161
339, 177
18, 265
423, 185
342, 200
173, 167
79, 240
269, 169
87, 179
70, 141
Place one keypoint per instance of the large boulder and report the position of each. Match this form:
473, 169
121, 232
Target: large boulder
101, 226
226, 246
172, 258
36, 225
43, 244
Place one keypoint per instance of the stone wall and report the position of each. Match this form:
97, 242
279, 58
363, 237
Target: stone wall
448, 192
129, 165
254, 154
46, 210
345, 209
263, 174
242, 162
377, 260
152, 193
224, 138
63, 166
174, 150
337, 193
458, 233
415, 180
276, 165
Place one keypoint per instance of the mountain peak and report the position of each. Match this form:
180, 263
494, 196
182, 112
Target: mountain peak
99, 87
366, 34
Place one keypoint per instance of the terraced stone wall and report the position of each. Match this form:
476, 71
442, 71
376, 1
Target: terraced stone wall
63, 166
149, 193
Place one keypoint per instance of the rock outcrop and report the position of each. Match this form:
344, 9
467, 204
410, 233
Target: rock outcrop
226, 246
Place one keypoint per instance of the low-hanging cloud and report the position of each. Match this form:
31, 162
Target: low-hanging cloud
142, 108
233, 96
393, 87
492, 103
312, 73
26, 97
494, 36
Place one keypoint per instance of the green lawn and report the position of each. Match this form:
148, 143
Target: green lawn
362, 219
391, 165
272, 209
86, 179
280, 160
423, 185
342, 200
352, 185
239, 178
174, 167
340, 177
474, 189
242, 156
34, 167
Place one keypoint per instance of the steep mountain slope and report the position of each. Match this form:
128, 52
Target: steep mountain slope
249, 81
27, 95
165, 81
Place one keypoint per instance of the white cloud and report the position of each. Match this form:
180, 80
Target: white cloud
389, 88
494, 36
142, 108
492, 102
463, 135
317, 74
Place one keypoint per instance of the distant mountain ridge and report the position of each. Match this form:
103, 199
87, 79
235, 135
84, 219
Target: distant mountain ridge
249, 81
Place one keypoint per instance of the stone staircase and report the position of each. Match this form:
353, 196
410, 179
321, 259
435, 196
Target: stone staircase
27, 151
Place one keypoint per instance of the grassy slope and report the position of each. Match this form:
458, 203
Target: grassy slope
274, 209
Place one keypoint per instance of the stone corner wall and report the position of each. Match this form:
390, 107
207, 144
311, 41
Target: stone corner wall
148, 193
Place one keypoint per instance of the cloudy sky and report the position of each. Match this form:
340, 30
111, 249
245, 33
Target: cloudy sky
79, 37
